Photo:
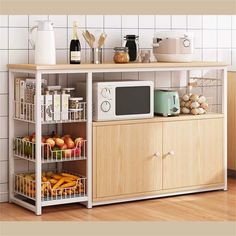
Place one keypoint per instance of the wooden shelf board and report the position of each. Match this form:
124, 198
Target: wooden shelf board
159, 119
111, 66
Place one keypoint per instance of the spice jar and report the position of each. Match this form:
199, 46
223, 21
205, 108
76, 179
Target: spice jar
75, 108
121, 55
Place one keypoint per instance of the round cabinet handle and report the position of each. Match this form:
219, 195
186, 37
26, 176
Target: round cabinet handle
171, 153
157, 154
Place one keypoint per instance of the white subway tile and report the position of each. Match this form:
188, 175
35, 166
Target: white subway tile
211, 94
31, 56
129, 21
94, 21
80, 19
108, 57
224, 22
179, 79
209, 55
209, 38
179, 22
209, 74
112, 76
194, 22
233, 38
163, 79
224, 38
4, 150
34, 18
4, 129
146, 38
58, 20
128, 31
113, 38
163, 22
224, 55
3, 20
21, 34
197, 37
146, 21
112, 21
4, 60
61, 56
3, 82
234, 22
4, 105
61, 38
148, 76
234, 57
197, 56
3, 172
4, 194
130, 76
209, 22
4, 38
18, 21
18, 56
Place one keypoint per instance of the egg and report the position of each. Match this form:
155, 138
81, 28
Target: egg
185, 97
202, 99
195, 105
204, 106
185, 110
195, 111
201, 111
194, 97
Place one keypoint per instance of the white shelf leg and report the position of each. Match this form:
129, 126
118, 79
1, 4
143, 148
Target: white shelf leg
89, 137
11, 135
224, 110
38, 132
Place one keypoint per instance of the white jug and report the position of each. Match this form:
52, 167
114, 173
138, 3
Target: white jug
44, 45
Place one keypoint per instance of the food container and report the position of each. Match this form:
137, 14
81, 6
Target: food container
96, 55
75, 108
74, 103
121, 55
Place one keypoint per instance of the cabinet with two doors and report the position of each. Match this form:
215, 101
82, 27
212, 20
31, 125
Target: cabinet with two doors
133, 159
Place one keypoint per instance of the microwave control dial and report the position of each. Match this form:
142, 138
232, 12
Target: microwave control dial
186, 43
106, 93
105, 106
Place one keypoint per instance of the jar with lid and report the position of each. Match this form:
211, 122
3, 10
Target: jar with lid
121, 55
132, 42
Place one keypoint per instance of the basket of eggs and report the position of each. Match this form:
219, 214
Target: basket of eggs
193, 104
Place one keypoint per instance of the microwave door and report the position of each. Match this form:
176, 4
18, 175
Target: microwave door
132, 101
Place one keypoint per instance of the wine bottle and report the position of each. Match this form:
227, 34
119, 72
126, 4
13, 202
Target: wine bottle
75, 48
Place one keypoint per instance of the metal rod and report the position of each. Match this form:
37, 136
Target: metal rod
89, 137
38, 132
11, 135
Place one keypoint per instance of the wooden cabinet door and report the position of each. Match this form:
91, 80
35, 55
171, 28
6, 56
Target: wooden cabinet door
192, 153
124, 161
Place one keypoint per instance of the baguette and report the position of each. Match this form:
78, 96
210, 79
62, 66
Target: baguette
68, 179
59, 183
44, 179
53, 181
58, 177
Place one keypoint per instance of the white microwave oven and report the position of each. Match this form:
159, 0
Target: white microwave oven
121, 100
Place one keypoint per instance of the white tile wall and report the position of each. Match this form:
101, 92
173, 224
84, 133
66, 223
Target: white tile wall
215, 39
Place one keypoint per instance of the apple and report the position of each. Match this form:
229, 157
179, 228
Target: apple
79, 142
44, 139
33, 139
64, 147
66, 136
59, 142
76, 152
70, 143
50, 142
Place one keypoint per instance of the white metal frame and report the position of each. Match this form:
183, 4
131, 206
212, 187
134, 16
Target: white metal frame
89, 73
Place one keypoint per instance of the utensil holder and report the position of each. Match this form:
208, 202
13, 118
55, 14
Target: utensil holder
96, 55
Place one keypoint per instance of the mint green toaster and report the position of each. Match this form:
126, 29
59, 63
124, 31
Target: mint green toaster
166, 103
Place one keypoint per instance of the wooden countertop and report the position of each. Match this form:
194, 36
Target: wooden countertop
113, 66
160, 119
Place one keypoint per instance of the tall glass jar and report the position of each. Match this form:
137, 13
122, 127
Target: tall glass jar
132, 42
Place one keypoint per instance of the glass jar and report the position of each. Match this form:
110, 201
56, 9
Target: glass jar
121, 55
132, 42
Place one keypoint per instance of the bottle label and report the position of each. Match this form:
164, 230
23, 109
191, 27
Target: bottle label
75, 56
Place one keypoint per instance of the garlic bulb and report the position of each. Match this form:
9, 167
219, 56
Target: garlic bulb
182, 103
188, 104
195, 111
204, 106
194, 97
201, 111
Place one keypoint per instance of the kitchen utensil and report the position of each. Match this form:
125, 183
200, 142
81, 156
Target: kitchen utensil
96, 55
44, 44
92, 37
166, 103
88, 36
173, 46
87, 39
102, 39
133, 44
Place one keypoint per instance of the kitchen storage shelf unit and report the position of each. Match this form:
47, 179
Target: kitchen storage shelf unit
36, 193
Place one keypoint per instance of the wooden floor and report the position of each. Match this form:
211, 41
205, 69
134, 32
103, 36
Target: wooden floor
210, 206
